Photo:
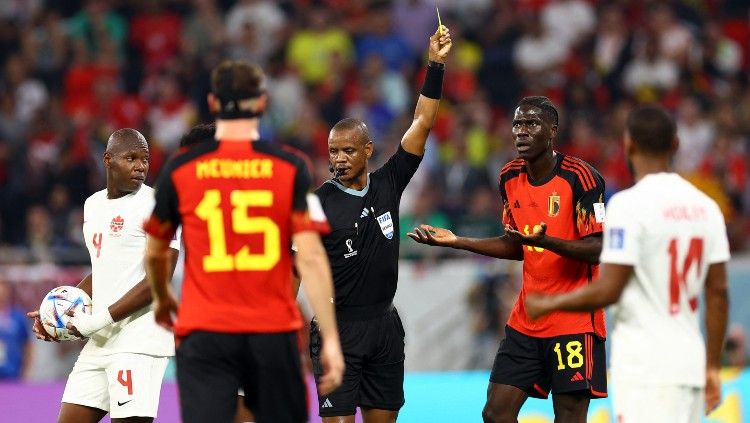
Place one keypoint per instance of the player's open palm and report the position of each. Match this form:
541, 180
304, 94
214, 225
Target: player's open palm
533, 239
440, 45
165, 309
333, 367
430, 235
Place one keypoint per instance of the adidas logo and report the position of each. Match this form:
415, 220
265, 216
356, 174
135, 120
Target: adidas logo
365, 212
327, 403
516, 205
576, 377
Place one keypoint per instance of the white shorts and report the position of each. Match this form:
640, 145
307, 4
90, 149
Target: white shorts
638, 403
124, 384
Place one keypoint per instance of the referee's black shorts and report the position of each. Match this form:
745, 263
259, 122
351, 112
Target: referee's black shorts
564, 364
212, 366
374, 356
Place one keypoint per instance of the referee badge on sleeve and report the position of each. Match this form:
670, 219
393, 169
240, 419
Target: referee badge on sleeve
386, 224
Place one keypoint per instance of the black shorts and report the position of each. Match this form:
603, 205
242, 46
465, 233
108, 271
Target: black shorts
212, 366
374, 357
564, 364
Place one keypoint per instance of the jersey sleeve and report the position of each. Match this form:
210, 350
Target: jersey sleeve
589, 201
307, 212
507, 216
400, 168
165, 218
620, 243
719, 247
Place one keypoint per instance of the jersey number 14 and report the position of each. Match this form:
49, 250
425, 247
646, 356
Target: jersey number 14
677, 276
218, 260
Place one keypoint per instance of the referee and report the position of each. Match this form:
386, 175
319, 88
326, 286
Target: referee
363, 210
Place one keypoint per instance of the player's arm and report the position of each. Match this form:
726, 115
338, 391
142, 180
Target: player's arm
139, 296
313, 266
607, 290
158, 276
717, 304
426, 110
500, 247
586, 249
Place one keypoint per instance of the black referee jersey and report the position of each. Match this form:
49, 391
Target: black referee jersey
363, 243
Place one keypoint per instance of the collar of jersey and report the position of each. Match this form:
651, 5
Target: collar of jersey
354, 192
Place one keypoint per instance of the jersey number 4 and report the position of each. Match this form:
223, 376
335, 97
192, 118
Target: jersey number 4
677, 276
218, 259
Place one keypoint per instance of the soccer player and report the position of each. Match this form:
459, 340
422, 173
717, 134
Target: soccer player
121, 368
553, 212
664, 242
241, 202
363, 210
205, 133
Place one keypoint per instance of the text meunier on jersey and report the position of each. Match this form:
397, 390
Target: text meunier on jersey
234, 169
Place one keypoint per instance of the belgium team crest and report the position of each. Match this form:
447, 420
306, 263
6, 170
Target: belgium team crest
553, 205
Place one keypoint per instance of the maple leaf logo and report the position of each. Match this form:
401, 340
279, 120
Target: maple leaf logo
117, 224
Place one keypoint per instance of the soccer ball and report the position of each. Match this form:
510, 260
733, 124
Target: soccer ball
55, 306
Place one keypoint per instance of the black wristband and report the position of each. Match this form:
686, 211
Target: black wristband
433, 80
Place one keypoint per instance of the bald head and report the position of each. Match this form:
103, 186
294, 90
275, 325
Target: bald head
355, 126
125, 139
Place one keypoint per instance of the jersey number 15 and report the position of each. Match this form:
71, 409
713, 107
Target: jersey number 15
218, 260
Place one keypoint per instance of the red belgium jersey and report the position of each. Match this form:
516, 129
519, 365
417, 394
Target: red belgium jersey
239, 204
570, 202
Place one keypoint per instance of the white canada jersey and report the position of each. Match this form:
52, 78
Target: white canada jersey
114, 235
670, 233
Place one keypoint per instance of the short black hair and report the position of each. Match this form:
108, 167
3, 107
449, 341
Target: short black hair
350, 124
198, 133
652, 129
548, 109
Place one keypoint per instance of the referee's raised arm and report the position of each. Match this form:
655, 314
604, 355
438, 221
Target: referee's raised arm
427, 105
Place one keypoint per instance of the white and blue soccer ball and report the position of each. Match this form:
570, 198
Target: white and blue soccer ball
56, 307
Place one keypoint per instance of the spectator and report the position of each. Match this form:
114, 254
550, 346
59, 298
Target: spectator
569, 20
203, 30
257, 27
313, 50
15, 345
96, 24
650, 74
155, 33
695, 133
380, 38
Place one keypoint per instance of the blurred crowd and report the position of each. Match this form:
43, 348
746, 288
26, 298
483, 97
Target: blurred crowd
72, 72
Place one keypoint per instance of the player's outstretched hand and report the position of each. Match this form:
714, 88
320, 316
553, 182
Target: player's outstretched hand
333, 366
165, 309
713, 389
534, 239
440, 45
36, 326
430, 235
537, 305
